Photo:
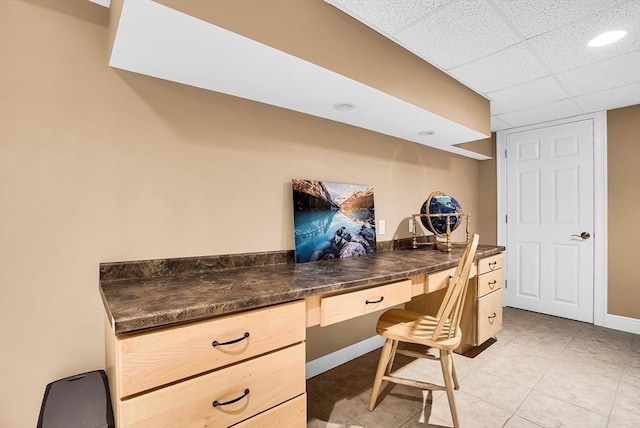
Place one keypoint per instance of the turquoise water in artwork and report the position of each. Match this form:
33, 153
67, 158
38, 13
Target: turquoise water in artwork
322, 235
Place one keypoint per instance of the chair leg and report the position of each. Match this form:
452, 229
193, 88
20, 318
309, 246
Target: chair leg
392, 357
382, 366
448, 382
454, 374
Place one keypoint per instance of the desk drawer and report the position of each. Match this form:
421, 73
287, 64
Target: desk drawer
439, 280
489, 282
490, 264
269, 380
153, 359
293, 413
342, 307
489, 316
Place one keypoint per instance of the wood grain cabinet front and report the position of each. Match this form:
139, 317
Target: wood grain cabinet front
345, 306
246, 363
482, 317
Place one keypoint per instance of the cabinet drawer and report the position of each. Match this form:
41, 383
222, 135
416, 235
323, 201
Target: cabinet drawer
439, 280
489, 264
149, 360
489, 316
293, 413
241, 391
489, 282
342, 307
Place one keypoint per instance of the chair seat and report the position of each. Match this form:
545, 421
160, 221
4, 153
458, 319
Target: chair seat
414, 327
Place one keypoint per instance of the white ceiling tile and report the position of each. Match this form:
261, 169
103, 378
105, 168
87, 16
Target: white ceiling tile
458, 33
544, 113
530, 94
610, 99
498, 125
503, 69
534, 17
610, 73
566, 48
388, 16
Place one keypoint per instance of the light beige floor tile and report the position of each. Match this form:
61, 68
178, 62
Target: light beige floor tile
493, 388
620, 424
580, 374
519, 363
578, 385
518, 422
549, 411
472, 412
396, 404
626, 407
430, 422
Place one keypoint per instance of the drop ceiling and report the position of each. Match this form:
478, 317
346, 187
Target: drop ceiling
528, 57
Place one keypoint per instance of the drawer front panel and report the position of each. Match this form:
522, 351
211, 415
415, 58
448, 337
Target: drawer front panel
489, 264
292, 414
342, 307
153, 359
439, 280
489, 282
489, 316
242, 391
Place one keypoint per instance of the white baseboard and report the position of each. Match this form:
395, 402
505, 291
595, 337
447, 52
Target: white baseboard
341, 356
616, 322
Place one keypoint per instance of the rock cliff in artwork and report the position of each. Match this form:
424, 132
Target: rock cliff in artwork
312, 195
358, 201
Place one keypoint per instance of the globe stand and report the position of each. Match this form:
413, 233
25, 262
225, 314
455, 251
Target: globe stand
441, 238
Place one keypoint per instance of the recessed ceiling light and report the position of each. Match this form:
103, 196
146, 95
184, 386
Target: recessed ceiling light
345, 106
607, 38
426, 133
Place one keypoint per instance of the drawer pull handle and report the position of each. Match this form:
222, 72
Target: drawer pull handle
492, 318
370, 302
492, 284
216, 343
492, 265
235, 400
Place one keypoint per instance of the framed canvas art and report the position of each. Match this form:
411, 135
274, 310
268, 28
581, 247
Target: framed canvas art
332, 220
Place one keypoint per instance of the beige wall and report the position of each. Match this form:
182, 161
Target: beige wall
100, 165
623, 192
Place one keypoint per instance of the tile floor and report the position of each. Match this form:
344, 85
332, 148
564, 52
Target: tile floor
542, 371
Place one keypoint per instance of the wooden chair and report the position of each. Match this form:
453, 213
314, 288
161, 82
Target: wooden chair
441, 332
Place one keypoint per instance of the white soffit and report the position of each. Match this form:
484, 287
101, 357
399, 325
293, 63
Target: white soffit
158, 41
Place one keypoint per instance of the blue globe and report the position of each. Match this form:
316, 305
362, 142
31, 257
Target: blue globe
439, 203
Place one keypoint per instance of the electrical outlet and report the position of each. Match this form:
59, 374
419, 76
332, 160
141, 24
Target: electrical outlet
382, 227
411, 225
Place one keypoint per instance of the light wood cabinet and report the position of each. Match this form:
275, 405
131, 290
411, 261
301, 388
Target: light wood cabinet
482, 316
213, 373
345, 306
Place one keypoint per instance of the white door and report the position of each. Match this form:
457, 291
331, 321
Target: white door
550, 217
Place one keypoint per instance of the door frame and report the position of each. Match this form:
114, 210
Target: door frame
599, 201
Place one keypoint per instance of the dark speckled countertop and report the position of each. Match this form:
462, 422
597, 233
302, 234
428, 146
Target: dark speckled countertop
148, 294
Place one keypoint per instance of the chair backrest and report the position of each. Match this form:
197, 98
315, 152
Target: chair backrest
450, 310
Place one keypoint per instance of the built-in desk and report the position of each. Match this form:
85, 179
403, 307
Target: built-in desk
219, 340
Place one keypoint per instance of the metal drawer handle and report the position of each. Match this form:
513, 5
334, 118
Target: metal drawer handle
369, 302
235, 400
492, 318
216, 343
492, 265
492, 284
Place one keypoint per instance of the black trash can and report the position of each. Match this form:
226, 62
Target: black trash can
80, 401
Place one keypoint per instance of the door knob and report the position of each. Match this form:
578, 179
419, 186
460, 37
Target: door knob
583, 235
